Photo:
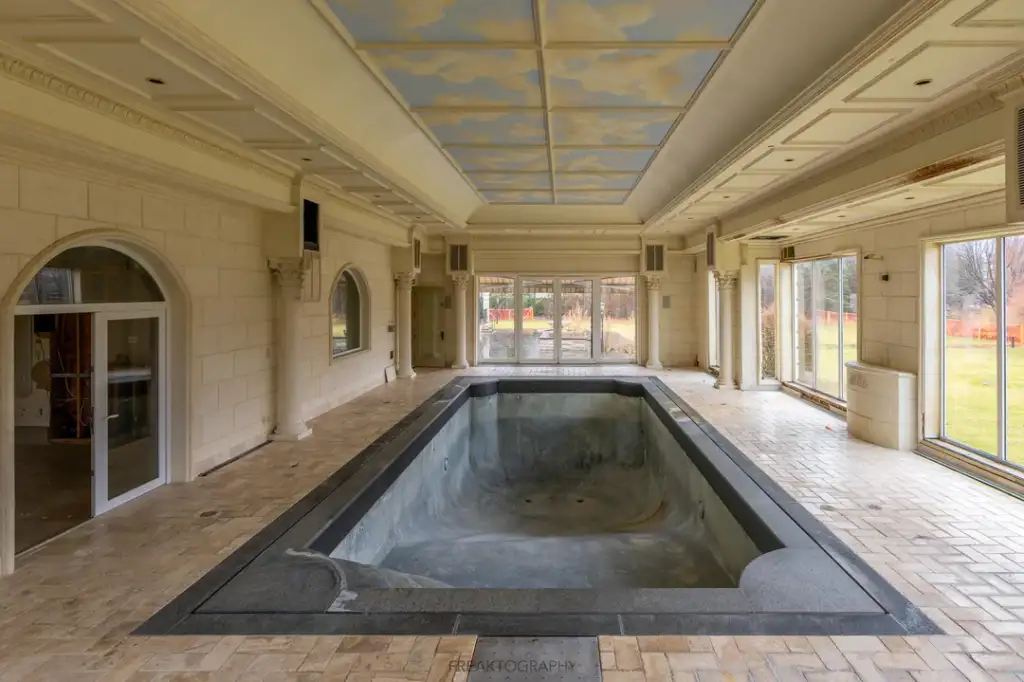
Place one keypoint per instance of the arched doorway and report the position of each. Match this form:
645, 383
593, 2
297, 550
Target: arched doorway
87, 428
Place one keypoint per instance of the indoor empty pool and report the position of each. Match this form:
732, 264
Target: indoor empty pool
542, 490
561, 506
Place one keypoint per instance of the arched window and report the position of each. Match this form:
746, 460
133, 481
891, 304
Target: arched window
348, 314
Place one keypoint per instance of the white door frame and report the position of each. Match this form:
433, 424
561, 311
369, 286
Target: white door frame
100, 440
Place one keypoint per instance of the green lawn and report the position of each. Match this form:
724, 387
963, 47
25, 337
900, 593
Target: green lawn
970, 388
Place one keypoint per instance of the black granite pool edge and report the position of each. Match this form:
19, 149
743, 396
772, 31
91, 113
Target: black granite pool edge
892, 600
183, 615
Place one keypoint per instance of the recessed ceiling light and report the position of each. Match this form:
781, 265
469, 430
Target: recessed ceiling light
156, 81
841, 215
726, 196
306, 158
789, 160
908, 198
923, 82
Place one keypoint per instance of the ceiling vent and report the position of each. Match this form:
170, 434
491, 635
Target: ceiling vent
768, 238
1015, 162
654, 258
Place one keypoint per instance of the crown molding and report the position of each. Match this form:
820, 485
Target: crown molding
158, 15
997, 198
884, 37
46, 81
32, 144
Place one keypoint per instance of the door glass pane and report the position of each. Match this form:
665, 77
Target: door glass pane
969, 353
577, 319
538, 319
133, 452
849, 316
826, 334
618, 318
496, 324
1014, 259
804, 333
768, 317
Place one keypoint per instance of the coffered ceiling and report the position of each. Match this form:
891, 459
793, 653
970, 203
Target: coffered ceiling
544, 101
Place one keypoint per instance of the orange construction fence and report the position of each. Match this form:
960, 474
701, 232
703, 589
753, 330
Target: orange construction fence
504, 314
967, 329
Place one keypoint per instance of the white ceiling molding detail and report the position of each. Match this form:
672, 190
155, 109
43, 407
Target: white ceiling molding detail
923, 61
109, 60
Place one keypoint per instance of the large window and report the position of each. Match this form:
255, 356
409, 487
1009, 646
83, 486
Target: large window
825, 322
982, 359
712, 320
556, 319
768, 312
347, 334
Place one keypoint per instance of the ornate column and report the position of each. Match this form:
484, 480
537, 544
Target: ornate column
289, 277
404, 282
653, 285
461, 286
726, 282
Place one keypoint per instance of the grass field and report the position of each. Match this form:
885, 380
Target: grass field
970, 388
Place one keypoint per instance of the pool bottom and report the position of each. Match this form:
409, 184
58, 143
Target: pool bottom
280, 583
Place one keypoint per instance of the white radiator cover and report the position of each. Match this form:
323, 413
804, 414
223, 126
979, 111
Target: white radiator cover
881, 406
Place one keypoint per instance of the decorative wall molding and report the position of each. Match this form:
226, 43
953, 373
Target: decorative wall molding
883, 38
159, 15
45, 81
726, 279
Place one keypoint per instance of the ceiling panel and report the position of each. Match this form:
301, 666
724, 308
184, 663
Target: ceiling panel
509, 159
512, 181
597, 181
931, 70
638, 22
993, 176
439, 78
611, 128
247, 125
839, 127
627, 78
602, 159
487, 127
22, 10
133, 64
506, 197
785, 159
599, 94
592, 197
996, 13
436, 20
749, 181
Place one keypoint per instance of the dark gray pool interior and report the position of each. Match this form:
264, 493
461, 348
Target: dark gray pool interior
545, 507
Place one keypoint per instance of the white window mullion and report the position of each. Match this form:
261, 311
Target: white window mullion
841, 321
1000, 273
942, 343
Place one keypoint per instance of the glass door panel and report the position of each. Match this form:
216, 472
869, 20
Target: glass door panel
827, 329
496, 321
1013, 267
128, 434
618, 318
803, 334
576, 320
849, 316
537, 319
766, 294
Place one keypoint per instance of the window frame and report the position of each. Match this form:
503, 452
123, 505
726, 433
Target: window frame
777, 279
794, 347
362, 290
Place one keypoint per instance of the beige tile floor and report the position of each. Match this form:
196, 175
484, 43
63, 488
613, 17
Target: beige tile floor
950, 544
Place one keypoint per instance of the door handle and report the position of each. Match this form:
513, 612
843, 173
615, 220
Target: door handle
112, 416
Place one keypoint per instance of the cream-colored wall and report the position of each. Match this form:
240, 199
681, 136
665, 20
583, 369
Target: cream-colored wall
889, 311
217, 251
329, 382
679, 331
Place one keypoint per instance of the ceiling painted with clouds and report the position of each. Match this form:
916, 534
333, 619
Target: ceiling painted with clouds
545, 101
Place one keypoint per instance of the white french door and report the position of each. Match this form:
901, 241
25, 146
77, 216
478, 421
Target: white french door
129, 412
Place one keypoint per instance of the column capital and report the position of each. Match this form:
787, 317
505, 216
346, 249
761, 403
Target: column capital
652, 282
461, 281
726, 279
405, 280
289, 273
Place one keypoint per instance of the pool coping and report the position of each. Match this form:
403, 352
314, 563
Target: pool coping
279, 582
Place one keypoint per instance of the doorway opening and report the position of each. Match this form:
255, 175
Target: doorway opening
90, 426
428, 310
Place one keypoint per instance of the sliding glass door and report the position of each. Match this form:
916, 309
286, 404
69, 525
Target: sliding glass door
548, 320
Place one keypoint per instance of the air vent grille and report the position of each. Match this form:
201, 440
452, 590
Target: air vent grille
416, 253
709, 249
458, 258
655, 258
768, 238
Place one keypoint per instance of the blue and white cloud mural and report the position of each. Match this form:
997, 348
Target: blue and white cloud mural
618, 75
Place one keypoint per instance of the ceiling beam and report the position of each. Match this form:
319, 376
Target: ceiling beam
545, 93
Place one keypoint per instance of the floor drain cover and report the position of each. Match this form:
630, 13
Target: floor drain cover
207, 514
533, 659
